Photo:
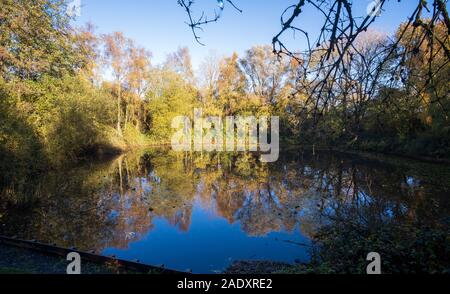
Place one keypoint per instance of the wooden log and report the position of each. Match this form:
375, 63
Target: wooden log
85, 256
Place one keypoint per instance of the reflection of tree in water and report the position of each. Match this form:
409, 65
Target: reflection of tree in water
371, 195
114, 203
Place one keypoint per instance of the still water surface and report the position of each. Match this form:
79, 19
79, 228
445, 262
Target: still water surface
204, 211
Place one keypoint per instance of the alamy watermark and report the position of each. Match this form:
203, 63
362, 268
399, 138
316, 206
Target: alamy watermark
232, 133
74, 267
374, 267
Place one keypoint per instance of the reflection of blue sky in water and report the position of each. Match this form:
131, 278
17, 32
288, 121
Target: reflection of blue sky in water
207, 238
203, 212
210, 245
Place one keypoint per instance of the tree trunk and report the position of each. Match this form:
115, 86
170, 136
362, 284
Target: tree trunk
119, 128
126, 114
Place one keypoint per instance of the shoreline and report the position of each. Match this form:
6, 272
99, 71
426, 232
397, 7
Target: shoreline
365, 153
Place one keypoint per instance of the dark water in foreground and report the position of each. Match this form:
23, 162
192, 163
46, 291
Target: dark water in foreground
201, 212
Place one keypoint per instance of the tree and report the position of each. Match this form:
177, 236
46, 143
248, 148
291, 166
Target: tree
209, 76
169, 96
87, 43
265, 72
180, 62
324, 59
117, 48
137, 81
231, 85
36, 39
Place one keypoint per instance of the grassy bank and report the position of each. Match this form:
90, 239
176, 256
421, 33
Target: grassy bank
343, 248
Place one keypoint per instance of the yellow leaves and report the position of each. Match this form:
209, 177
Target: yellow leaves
426, 97
36, 38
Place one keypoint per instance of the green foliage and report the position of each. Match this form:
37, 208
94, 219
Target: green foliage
169, 97
71, 116
404, 249
54, 109
35, 39
51, 112
20, 148
132, 137
53, 119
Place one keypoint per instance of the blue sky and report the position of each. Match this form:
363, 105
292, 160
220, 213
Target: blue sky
159, 25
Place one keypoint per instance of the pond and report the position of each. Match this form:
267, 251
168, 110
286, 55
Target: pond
203, 211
